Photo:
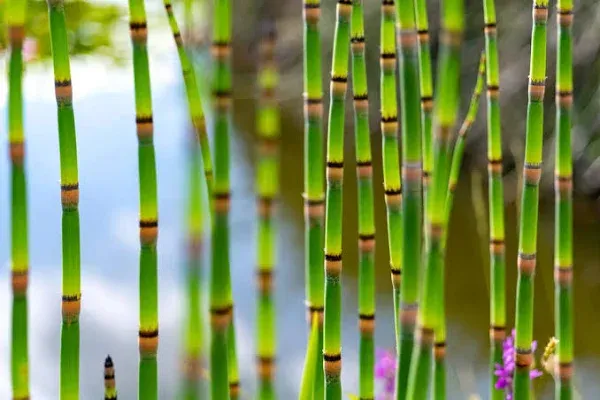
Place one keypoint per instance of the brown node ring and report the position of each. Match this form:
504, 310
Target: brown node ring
439, 350
312, 13
532, 172
537, 89
425, 335
266, 367
387, 61
63, 90
497, 333
19, 280
69, 194
497, 246
388, 9
17, 152
333, 264
357, 44
344, 8
396, 275
564, 98
339, 85
427, 103
144, 126
264, 278
389, 126
220, 50
393, 197
565, 18
335, 171
313, 108
138, 32
332, 364
523, 358
493, 91
564, 371
408, 314
495, 167
222, 202
563, 275
361, 103
423, 36
148, 231
16, 35
366, 242
220, 317
564, 184
366, 324
540, 14
407, 38
71, 307
526, 263
364, 169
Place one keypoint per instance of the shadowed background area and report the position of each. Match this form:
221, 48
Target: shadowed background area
103, 90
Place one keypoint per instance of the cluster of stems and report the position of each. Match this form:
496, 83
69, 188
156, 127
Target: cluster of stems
532, 170
366, 216
267, 188
314, 196
69, 185
16, 11
332, 326
563, 231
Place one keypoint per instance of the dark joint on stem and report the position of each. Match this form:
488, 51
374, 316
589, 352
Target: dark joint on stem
396, 275
312, 12
564, 371
345, 8
364, 169
495, 166
497, 246
314, 208
439, 350
265, 206
490, 28
335, 170
526, 263
426, 178
338, 85
333, 264
221, 201
268, 145
144, 126
412, 171
407, 38
16, 35
63, 91
220, 49
387, 6
138, 31
564, 17
423, 36
148, 231
361, 102
389, 125
366, 242
408, 314
19, 281
222, 99
393, 196
69, 194
358, 44
332, 364
178, 39
220, 317
493, 91
537, 88
443, 133
452, 38
425, 335
564, 98
168, 7
563, 184
266, 367
388, 61
540, 13
524, 357
234, 389
366, 323
264, 280
436, 230
312, 310
563, 275
17, 152
427, 103
71, 306
313, 107
497, 332
532, 173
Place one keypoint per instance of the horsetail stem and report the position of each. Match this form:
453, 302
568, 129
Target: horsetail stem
224, 383
332, 327
110, 390
267, 183
366, 215
314, 196
194, 334
148, 330
69, 183
391, 164
412, 206
496, 197
446, 107
193, 96
532, 170
311, 361
16, 11
563, 232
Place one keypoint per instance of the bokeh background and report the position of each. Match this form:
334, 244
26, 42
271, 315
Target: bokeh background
103, 90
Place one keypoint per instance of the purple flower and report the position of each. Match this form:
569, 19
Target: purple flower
505, 371
385, 370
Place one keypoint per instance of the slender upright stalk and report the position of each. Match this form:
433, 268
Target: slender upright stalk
412, 205
314, 196
69, 184
563, 231
446, 107
496, 197
332, 326
366, 216
148, 330
267, 184
194, 333
193, 96
391, 164
110, 390
16, 10
532, 170
311, 361
224, 376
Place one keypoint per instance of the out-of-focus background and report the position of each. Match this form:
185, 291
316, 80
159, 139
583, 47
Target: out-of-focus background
103, 90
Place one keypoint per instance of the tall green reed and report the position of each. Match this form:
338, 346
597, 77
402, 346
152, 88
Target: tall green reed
267, 184
412, 205
446, 106
391, 163
563, 231
224, 374
366, 212
332, 327
148, 291
496, 197
16, 15
110, 389
314, 195
69, 184
532, 170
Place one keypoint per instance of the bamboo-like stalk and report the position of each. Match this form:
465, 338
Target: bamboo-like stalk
532, 170
314, 195
496, 198
366, 216
267, 184
16, 14
194, 332
446, 107
148, 291
391, 163
563, 231
110, 389
412, 205
311, 361
193, 96
69, 183
224, 372
332, 326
